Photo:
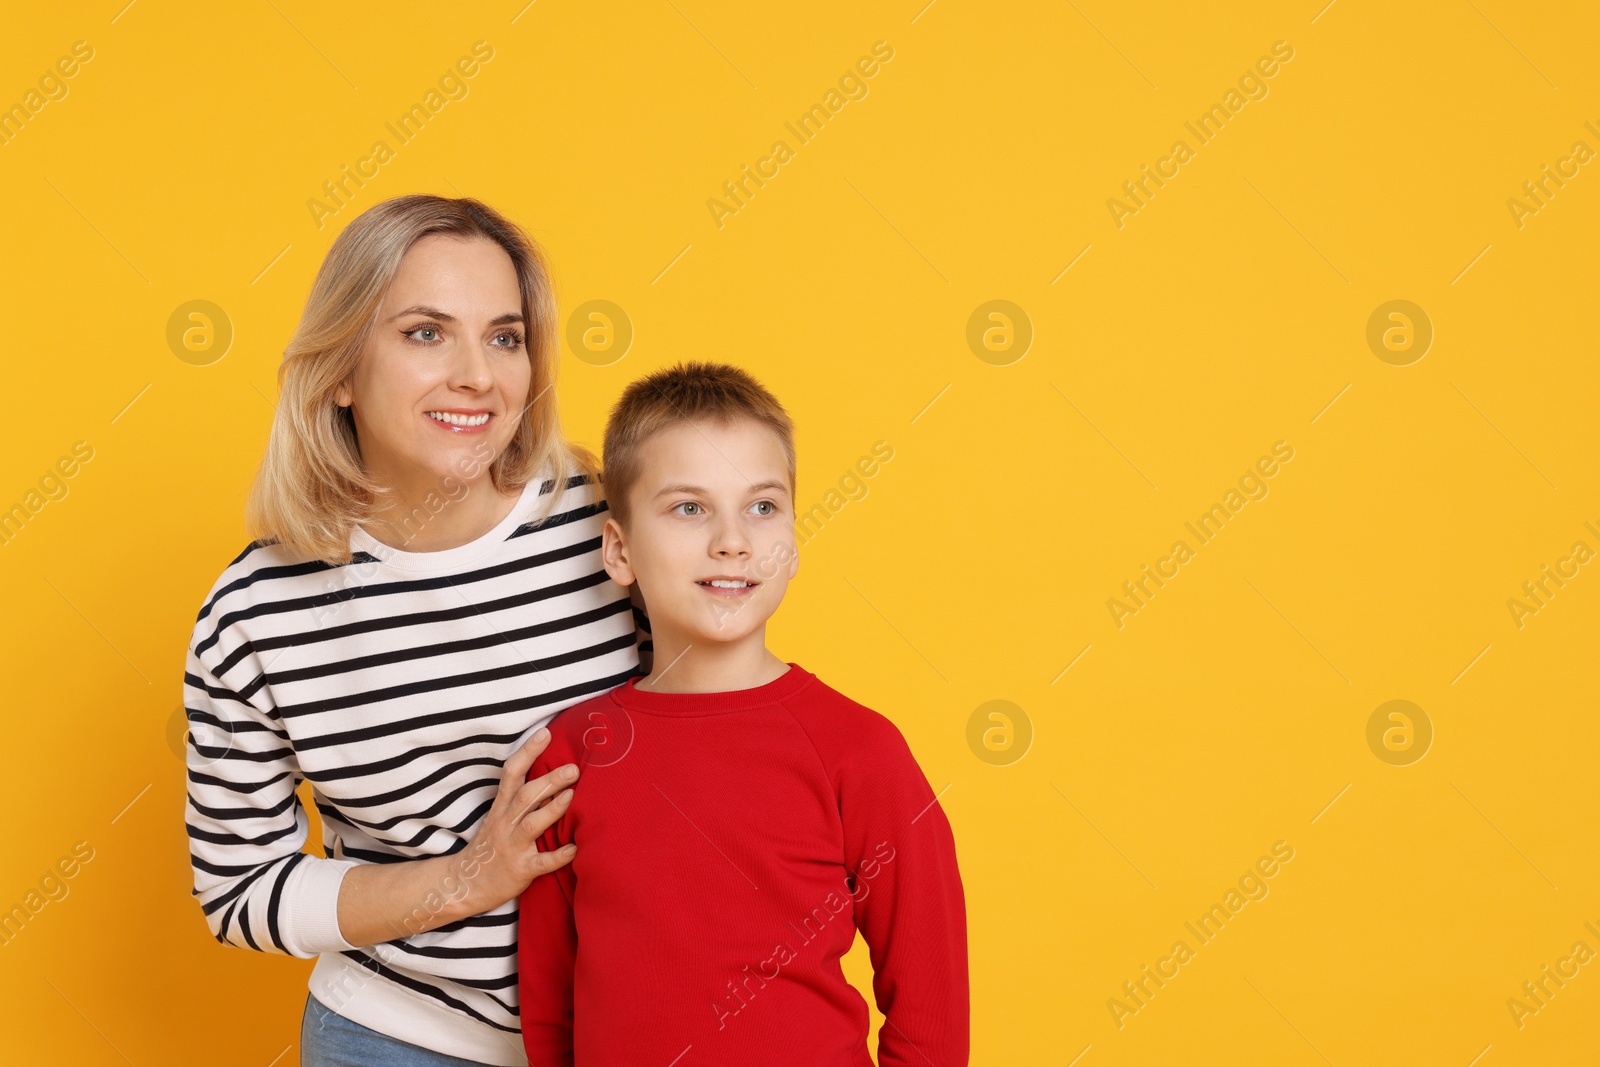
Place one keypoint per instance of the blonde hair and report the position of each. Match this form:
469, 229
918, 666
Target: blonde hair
689, 392
312, 487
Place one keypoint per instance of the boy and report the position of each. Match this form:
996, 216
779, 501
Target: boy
736, 820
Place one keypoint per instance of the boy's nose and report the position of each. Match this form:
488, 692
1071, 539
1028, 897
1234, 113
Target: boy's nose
731, 542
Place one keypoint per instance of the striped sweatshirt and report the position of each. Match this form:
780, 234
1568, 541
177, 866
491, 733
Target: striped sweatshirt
397, 684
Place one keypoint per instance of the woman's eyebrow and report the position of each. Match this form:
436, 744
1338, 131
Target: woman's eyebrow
422, 309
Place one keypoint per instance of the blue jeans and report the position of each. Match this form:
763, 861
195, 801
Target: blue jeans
328, 1039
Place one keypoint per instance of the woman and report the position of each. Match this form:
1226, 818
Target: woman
425, 591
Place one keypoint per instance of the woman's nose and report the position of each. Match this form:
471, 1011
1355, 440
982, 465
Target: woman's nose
471, 369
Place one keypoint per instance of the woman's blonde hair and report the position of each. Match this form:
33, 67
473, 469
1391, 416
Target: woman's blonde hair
312, 488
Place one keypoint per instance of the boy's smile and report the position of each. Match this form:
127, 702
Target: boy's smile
728, 587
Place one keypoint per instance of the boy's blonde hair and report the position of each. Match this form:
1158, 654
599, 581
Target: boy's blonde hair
689, 392
312, 486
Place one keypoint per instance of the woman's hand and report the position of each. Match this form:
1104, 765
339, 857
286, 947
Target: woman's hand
383, 901
505, 850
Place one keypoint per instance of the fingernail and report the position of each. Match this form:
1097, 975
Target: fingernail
566, 795
542, 734
569, 773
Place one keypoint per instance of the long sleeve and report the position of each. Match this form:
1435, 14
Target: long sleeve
547, 948
910, 906
247, 828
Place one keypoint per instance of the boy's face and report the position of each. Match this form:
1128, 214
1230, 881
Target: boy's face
712, 502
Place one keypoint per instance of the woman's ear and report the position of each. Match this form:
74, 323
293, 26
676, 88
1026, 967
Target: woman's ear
614, 554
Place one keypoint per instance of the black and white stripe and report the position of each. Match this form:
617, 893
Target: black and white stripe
397, 686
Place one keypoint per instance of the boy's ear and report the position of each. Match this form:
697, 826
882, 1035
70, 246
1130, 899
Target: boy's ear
614, 554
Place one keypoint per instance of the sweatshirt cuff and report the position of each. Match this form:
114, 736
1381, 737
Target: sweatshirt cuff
308, 914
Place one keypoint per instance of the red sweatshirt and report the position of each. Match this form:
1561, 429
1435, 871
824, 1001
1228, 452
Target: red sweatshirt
730, 845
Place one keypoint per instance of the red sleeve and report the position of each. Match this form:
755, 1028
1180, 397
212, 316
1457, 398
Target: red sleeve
910, 907
547, 944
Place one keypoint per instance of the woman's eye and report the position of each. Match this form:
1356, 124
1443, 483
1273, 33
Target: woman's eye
433, 330
512, 340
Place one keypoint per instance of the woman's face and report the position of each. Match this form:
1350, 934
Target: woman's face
443, 381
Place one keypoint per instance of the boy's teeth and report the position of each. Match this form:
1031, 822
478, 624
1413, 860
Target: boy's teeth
459, 420
724, 584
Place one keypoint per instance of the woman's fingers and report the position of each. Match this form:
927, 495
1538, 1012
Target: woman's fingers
532, 806
522, 810
538, 791
515, 771
542, 802
549, 861
542, 818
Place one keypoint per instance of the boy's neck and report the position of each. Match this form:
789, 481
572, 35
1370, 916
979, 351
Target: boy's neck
681, 666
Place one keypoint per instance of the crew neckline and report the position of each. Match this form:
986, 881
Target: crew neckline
449, 558
786, 685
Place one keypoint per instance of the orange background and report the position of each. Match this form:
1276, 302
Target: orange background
1144, 768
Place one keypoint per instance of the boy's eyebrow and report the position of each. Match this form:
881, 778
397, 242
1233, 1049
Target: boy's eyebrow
444, 316
682, 488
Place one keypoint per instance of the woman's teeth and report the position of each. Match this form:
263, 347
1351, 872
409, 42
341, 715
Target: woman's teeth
459, 420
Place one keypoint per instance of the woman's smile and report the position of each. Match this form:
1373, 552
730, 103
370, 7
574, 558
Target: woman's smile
460, 420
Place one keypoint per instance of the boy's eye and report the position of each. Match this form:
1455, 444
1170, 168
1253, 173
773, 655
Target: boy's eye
686, 504
765, 504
